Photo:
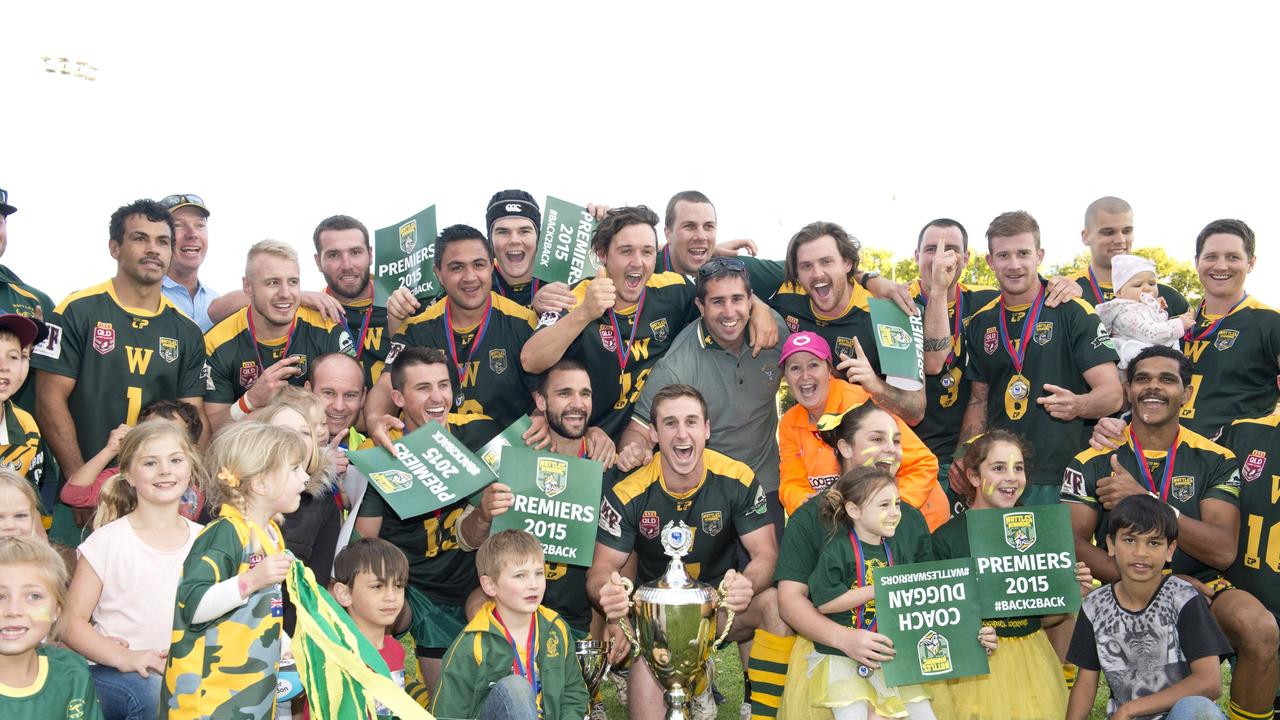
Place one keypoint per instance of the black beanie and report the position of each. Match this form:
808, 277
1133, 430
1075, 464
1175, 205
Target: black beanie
512, 203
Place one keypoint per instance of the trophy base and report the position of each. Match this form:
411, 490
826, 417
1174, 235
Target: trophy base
677, 703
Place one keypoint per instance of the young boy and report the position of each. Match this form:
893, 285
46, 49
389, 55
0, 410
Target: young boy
369, 576
1151, 634
21, 446
515, 659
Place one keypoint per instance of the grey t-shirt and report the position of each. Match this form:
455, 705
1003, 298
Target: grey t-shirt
1142, 653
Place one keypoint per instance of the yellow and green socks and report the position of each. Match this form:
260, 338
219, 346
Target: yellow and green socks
767, 671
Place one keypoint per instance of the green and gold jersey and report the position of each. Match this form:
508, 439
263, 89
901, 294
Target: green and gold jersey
237, 357
947, 393
23, 450
63, 689
1066, 341
1202, 470
21, 299
520, 294
807, 533
837, 573
619, 356
225, 667
951, 541
1095, 293
1256, 444
121, 359
1233, 368
854, 321
437, 566
366, 324
492, 381
727, 504
567, 594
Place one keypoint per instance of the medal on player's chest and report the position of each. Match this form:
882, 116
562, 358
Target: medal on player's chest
1017, 394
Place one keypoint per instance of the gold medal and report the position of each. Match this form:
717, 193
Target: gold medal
1015, 397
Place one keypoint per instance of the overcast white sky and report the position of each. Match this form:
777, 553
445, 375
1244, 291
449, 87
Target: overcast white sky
877, 117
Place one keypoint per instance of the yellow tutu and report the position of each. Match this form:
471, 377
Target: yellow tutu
1025, 683
834, 682
795, 697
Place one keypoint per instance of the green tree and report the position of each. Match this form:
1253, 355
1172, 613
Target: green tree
977, 272
1177, 274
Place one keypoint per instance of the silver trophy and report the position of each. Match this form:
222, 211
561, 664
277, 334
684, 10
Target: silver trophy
593, 658
675, 618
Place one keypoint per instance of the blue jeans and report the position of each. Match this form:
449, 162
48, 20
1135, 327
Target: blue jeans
511, 698
126, 695
1195, 707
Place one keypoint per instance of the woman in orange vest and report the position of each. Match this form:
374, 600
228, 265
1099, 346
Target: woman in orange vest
808, 464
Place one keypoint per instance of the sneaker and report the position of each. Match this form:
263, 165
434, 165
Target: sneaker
620, 684
744, 711
703, 707
598, 712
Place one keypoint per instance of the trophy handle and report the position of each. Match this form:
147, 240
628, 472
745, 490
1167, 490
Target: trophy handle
625, 623
728, 614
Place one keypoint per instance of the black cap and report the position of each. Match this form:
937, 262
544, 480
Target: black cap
512, 203
5, 208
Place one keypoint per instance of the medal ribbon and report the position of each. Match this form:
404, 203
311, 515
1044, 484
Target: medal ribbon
518, 667
364, 326
504, 288
625, 355
253, 339
860, 567
1213, 328
1170, 458
1097, 289
664, 259
956, 324
453, 345
582, 451
1019, 354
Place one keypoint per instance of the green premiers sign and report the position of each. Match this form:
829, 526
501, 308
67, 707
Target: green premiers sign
404, 257
430, 470
900, 340
557, 497
564, 250
491, 452
1026, 560
930, 612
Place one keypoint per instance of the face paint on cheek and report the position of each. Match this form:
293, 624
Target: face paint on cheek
889, 521
42, 613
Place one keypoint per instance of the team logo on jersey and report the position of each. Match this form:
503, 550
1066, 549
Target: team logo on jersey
844, 346
1182, 487
608, 339
391, 481
104, 338
770, 373
498, 360
75, 709
553, 476
1225, 339
553, 645
302, 363
345, 344
990, 341
610, 520
51, 346
893, 337
169, 349
1020, 530
206, 373
409, 236
1103, 338
248, 373
793, 324
140, 323
934, 653
712, 522
1073, 483
1043, 333
394, 351
660, 329
760, 505
1253, 465
649, 524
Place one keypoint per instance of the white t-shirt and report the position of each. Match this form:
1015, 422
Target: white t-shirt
139, 584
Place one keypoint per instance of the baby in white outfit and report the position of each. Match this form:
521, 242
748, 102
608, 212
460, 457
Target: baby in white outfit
1137, 317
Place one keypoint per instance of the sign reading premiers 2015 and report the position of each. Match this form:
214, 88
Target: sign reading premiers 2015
430, 470
930, 612
564, 250
1026, 561
557, 498
404, 257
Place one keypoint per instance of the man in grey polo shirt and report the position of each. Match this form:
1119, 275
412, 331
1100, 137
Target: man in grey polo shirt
741, 391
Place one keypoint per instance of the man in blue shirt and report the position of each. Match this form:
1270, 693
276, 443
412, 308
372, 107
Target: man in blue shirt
190, 244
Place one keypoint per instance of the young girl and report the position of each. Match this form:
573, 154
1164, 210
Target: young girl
127, 576
1136, 318
226, 628
1025, 681
19, 508
864, 508
38, 681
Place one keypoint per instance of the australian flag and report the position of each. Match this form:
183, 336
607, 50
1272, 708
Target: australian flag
277, 607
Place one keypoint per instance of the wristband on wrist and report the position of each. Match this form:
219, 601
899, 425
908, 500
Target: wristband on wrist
241, 408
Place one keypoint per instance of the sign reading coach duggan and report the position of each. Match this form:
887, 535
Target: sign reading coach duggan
1026, 561
430, 470
930, 612
557, 497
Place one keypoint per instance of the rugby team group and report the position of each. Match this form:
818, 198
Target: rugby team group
176, 450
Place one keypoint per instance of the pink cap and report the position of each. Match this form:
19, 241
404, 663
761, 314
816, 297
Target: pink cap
806, 341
